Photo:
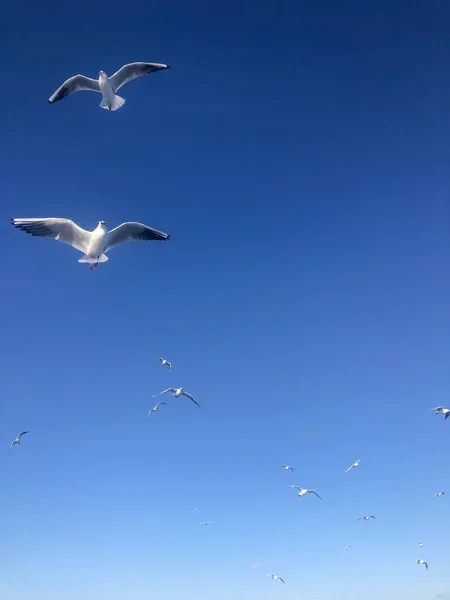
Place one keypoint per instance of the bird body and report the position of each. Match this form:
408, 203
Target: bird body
177, 392
303, 492
419, 561
287, 468
93, 244
107, 86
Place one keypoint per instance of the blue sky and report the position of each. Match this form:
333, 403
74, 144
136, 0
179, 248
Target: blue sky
297, 154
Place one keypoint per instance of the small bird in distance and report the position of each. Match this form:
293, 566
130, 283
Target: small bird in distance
419, 561
287, 468
16, 442
165, 362
366, 518
274, 577
155, 408
303, 492
177, 392
347, 548
440, 410
205, 523
439, 494
353, 466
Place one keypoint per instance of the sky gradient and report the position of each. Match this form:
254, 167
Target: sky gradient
297, 153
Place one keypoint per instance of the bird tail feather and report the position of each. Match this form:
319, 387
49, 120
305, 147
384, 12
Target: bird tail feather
116, 103
87, 259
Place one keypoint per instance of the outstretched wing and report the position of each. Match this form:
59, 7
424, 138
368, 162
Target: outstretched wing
74, 84
281, 579
191, 398
62, 230
21, 434
129, 232
133, 70
313, 492
165, 392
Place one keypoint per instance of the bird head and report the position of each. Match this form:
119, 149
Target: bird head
102, 224
102, 75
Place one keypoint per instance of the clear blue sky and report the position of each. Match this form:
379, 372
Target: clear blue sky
297, 153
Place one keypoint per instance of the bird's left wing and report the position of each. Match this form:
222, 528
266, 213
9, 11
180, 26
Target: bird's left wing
281, 579
165, 392
191, 398
63, 230
347, 470
313, 492
21, 434
129, 232
133, 70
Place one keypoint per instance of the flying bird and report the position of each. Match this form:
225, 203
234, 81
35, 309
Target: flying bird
440, 410
353, 466
164, 362
420, 545
155, 408
366, 518
287, 468
419, 561
303, 492
107, 86
16, 442
347, 548
195, 510
177, 392
276, 577
439, 494
206, 523
93, 244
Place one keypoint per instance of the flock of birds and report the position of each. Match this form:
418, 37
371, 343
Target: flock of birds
94, 245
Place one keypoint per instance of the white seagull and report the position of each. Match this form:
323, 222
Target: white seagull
439, 494
177, 392
107, 86
276, 577
155, 408
287, 468
347, 548
164, 362
440, 410
206, 523
303, 492
419, 561
353, 466
16, 442
420, 545
93, 244
366, 518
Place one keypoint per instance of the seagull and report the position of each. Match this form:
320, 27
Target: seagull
347, 548
107, 86
420, 545
287, 468
440, 410
17, 440
276, 577
206, 523
195, 510
177, 392
155, 408
353, 466
164, 362
303, 492
439, 494
93, 244
419, 561
366, 518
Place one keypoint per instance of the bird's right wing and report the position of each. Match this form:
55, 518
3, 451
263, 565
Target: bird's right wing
74, 84
165, 392
191, 398
63, 230
281, 579
21, 434
347, 470
131, 71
